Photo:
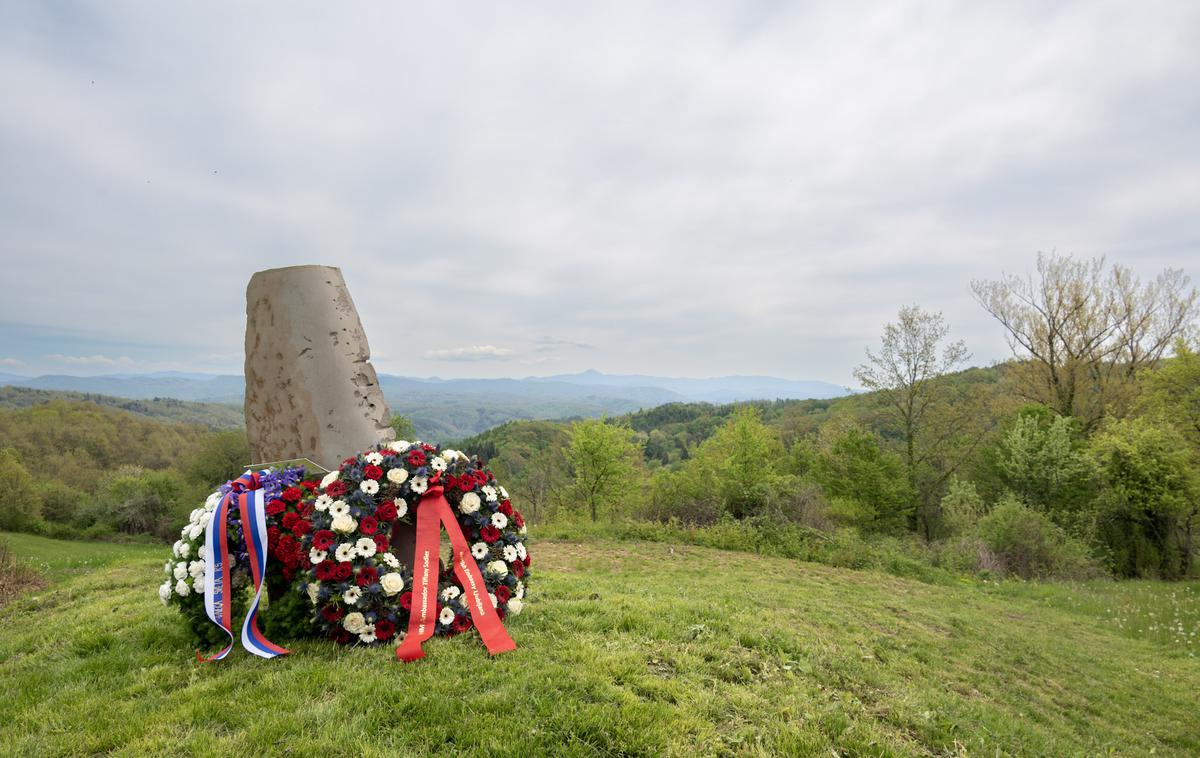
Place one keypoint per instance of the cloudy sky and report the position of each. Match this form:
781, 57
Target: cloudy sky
687, 188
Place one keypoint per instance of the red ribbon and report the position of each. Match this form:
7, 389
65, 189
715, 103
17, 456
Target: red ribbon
434, 513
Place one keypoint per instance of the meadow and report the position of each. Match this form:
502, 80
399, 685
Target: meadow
626, 648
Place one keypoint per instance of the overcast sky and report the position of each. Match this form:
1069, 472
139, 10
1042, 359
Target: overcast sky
689, 188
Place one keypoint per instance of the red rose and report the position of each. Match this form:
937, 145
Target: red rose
368, 525
384, 629
518, 519
416, 458
336, 489
506, 508
309, 484
406, 601
292, 494
275, 507
460, 624
381, 543
489, 534
302, 527
367, 575
343, 571
518, 569
289, 520
386, 511
349, 462
503, 593
372, 472
332, 613
323, 539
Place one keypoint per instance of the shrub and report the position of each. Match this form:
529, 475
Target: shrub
1028, 544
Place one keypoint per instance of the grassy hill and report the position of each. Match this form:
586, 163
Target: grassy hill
211, 415
625, 648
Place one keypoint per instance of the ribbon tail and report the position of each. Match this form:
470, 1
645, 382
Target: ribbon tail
216, 589
423, 613
254, 530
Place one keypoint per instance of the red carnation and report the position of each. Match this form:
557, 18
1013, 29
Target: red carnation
368, 525
384, 629
275, 507
506, 508
518, 519
349, 461
372, 472
427, 447
460, 624
323, 539
518, 569
416, 458
381, 543
343, 571
292, 494
289, 520
503, 593
304, 509
489, 534
367, 575
302, 527
336, 489
272, 535
386, 511
406, 601
309, 484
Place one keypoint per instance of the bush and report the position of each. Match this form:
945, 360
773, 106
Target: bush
60, 502
1028, 544
20, 505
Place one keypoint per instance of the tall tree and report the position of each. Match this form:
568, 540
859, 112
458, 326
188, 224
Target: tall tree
913, 354
1082, 332
603, 459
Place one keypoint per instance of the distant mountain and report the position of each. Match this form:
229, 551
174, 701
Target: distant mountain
11, 378
447, 409
211, 415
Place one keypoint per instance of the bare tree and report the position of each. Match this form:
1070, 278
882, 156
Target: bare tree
904, 371
1082, 333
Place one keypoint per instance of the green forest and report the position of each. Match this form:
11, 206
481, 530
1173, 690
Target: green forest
1078, 457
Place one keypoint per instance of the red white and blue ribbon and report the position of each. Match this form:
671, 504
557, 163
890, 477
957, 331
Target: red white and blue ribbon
247, 492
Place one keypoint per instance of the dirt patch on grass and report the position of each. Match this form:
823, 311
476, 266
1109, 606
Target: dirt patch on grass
16, 578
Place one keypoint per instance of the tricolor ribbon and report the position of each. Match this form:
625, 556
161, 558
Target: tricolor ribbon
433, 513
250, 498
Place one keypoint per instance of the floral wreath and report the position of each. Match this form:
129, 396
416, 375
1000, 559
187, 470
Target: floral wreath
360, 588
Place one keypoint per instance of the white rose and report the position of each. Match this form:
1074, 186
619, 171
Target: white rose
400, 445
515, 606
352, 595
343, 524
470, 503
419, 485
446, 616
369, 486
397, 475
499, 568
366, 547
374, 458
180, 570
479, 550
354, 622
313, 590
317, 556
329, 479
181, 588
451, 455
499, 520
164, 592
392, 583
344, 552
450, 593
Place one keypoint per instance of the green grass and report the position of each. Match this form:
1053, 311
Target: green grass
625, 648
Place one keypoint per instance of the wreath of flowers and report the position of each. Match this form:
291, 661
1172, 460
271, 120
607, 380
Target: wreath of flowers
286, 490
358, 585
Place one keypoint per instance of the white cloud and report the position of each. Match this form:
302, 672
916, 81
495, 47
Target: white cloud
471, 353
91, 360
14, 362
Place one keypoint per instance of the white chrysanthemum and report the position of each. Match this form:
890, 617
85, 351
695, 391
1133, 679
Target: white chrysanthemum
185, 550
196, 568
195, 516
344, 552
374, 458
510, 553
489, 492
450, 593
182, 588
446, 616
323, 502
366, 547
192, 531
521, 551
498, 568
313, 592
175, 548
180, 570
198, 582
391, 560
391, 582
397, 475
343, 524
354, 623
212, 501
504, 493
438, 464
317, 556
329, 479
339, 508
515, 606
419, 485
520, 589
479, 550
352, 595
164, 592
369, 486
400, 445
470, 503
499, 520
167, 567
495, 601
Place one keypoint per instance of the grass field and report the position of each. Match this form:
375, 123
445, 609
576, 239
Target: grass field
625, 648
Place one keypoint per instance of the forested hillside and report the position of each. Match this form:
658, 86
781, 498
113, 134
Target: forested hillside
211, 415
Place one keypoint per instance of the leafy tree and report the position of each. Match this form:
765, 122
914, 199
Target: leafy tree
851, 464
1082, 335
603, 460
1040, 459
403, 427
1029, 544
740, 460
60, 502
962, 507
19, 503
222, 456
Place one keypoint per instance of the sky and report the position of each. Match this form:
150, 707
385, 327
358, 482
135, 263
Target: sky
684, 189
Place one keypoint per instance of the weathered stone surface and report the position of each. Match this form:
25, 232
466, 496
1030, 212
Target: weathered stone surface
311, 391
